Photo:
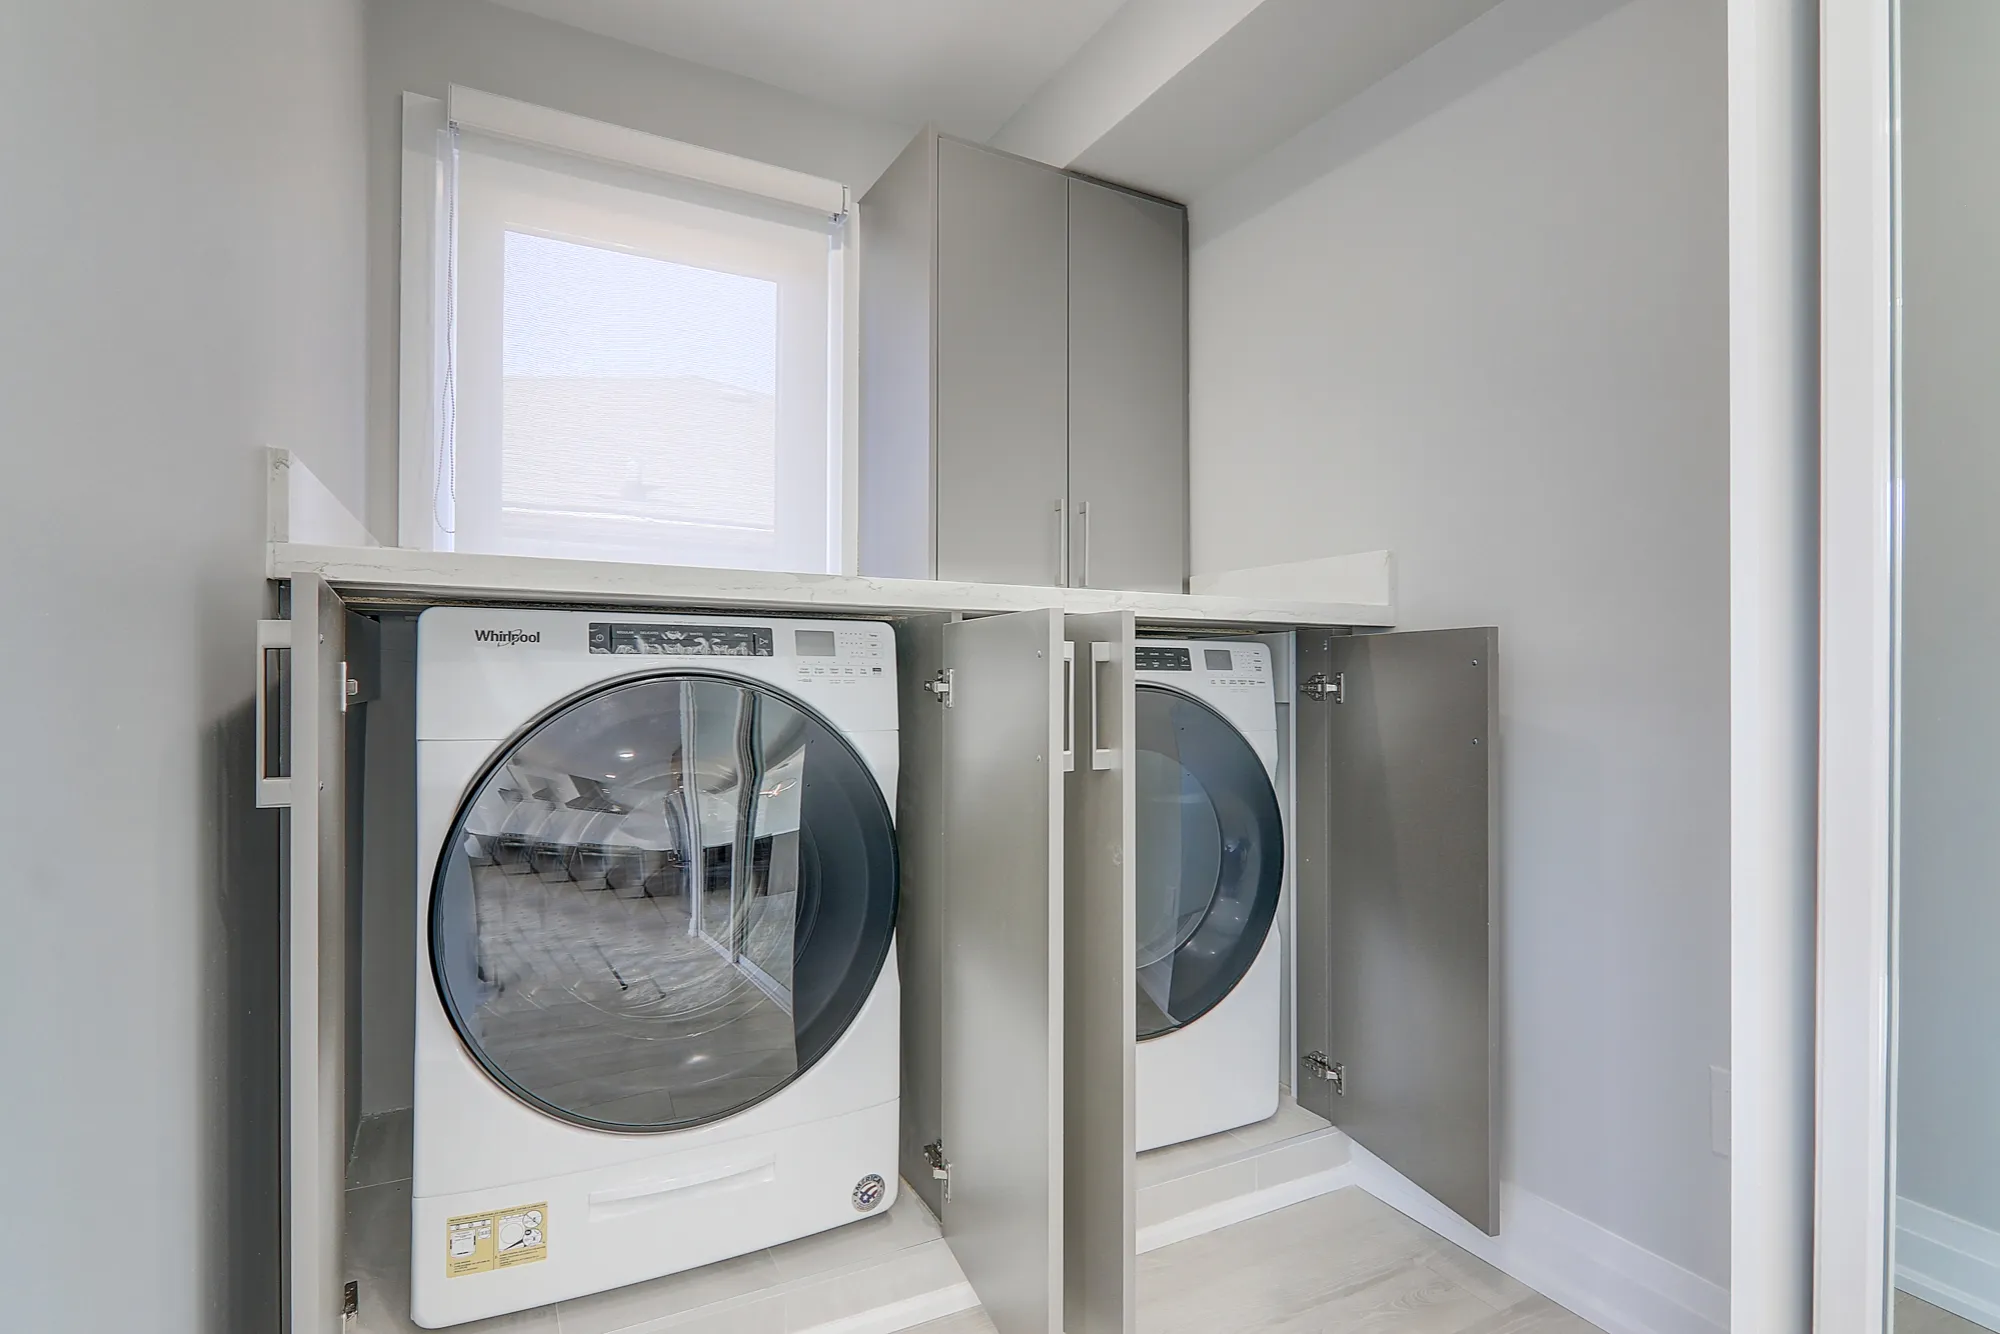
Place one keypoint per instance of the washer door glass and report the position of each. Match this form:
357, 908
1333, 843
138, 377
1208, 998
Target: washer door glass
663, 902
1211, 852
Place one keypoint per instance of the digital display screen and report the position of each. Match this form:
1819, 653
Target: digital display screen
1151, 658
681, 641
1218, 660
813, 643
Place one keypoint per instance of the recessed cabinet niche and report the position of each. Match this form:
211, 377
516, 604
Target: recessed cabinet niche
1023, 375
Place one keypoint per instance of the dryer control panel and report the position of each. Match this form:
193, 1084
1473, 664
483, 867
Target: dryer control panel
1232, 676
1198, 666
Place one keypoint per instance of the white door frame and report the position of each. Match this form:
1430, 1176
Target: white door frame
1774, 339
1859, 518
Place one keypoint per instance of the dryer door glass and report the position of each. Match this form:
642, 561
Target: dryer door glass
663, 902
1211, 852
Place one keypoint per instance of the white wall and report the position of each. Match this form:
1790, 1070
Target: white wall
425, 46
1948, 1154
1496, 342
180, 285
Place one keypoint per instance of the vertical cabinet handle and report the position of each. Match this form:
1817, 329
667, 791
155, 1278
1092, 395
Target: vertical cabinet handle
1069, 708
1101, 755
273, 708
1083, 513
1062, 543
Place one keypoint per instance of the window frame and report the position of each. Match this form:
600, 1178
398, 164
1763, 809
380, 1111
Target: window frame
424, 518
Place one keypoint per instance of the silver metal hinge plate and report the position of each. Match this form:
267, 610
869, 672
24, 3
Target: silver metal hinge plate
1320, 687
1317, 1066
940, 687
350, 1300
940, 1166
350, 688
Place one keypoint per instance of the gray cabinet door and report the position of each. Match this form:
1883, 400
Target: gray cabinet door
1001, 983
925, 884
1001, 375
1100, 1210
1128, 390
303, 770
1398, 798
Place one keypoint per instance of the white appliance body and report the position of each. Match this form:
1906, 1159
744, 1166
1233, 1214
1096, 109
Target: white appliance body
610, 1208
1224, 1069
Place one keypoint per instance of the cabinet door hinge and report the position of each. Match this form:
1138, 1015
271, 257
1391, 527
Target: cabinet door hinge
1320, 687
940, 687
1317, 1066
940, 1166
350, 1301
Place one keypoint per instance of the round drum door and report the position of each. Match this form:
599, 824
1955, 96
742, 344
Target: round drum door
663, 901
1211, 858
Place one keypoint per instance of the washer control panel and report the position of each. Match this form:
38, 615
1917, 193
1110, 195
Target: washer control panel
841, 655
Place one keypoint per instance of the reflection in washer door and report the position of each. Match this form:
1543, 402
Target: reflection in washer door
663, 902
1211, 858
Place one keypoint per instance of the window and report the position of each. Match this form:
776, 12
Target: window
630, 364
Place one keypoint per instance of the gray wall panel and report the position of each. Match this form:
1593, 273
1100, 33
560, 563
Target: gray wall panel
153, 349
1490, 333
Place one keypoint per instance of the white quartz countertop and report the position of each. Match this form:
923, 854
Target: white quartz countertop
387, 575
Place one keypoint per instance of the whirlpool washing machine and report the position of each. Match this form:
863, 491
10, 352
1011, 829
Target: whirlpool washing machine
1210, 867
657, 1001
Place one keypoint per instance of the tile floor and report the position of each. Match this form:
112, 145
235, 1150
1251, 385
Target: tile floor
1343, 1263
1917, 1317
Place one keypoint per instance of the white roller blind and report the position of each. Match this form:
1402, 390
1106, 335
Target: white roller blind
641, 367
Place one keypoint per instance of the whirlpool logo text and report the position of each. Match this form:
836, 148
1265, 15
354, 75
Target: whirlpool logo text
508, 637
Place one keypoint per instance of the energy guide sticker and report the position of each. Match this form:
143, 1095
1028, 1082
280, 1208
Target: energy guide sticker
497, 1239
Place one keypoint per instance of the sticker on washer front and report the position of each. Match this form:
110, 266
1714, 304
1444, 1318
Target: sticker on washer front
496, 1239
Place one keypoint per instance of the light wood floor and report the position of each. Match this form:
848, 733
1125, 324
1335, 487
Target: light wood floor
1915, 1317
1344, 1263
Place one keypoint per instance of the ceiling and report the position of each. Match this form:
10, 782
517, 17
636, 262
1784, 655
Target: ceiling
1173, 97
1285, 65
966, 64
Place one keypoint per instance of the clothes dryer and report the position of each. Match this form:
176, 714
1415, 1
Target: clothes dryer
1210, 869
657, 1000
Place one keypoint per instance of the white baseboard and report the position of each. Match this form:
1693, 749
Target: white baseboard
1620, 1287
1225, 1212
1950, 1263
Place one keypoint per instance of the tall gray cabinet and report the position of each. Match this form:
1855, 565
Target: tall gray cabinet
1023, 375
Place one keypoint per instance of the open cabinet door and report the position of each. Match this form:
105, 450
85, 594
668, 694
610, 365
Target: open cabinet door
1398, 798
302, 755
924, 886
1100, 910
1001, 987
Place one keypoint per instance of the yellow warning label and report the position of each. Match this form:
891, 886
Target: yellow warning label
497, 1239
